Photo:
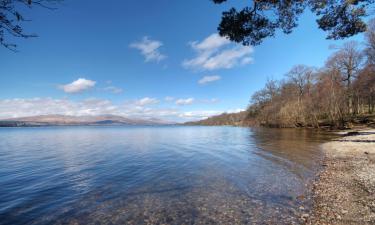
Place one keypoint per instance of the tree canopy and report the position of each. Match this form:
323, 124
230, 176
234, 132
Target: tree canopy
252, 24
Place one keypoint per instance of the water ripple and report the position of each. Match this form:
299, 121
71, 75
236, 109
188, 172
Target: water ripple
138, 175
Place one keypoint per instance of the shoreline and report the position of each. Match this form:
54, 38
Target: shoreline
344, 192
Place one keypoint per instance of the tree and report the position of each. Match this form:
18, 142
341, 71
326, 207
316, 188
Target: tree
370, 42
364, 86
301, 76
11, 19
339, 94
252, 24
348, 60
300, 79
328, 97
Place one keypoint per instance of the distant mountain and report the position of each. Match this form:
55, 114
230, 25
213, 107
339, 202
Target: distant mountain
62, 120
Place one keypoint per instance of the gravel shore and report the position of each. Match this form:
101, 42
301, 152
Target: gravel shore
344, 192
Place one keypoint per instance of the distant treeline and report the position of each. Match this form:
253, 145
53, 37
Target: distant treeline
234, 119
336, 95
16, 124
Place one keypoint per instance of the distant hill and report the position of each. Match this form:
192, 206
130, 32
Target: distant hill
62, 120
233, 119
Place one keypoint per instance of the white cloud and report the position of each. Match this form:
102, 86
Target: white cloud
217, 52
210, 101
198, 115
113, 89
246, 60
212, 42
208, 79
77, 86
169, 98
189, 101
147, 101
186, 101
149, 49
12, 108
235, 110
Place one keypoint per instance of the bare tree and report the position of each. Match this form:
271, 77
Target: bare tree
301, 76
364, 87
370, 42
348, 60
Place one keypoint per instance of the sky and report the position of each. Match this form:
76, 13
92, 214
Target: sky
145, 59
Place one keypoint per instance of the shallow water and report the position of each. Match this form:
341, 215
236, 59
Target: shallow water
152, 175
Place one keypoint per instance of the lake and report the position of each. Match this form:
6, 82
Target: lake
156, 175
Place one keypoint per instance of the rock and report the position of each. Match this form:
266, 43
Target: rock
352, 133
301, 197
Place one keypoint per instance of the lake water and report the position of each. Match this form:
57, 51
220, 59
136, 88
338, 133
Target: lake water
156, 175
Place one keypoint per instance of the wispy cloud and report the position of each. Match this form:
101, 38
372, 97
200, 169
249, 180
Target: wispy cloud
210, 101
209, 79
147, 101
211, 43
216, 52
169, 98
113, 89
150, 49
197, 115
186, 101
190, 101
78, 85
43, 106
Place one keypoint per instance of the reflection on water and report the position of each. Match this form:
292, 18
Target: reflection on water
151, 175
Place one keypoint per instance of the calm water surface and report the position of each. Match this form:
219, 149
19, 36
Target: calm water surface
155, 175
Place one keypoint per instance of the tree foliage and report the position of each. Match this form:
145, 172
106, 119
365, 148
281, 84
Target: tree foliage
252, 24
11, 19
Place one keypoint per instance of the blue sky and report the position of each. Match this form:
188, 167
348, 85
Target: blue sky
142, 58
